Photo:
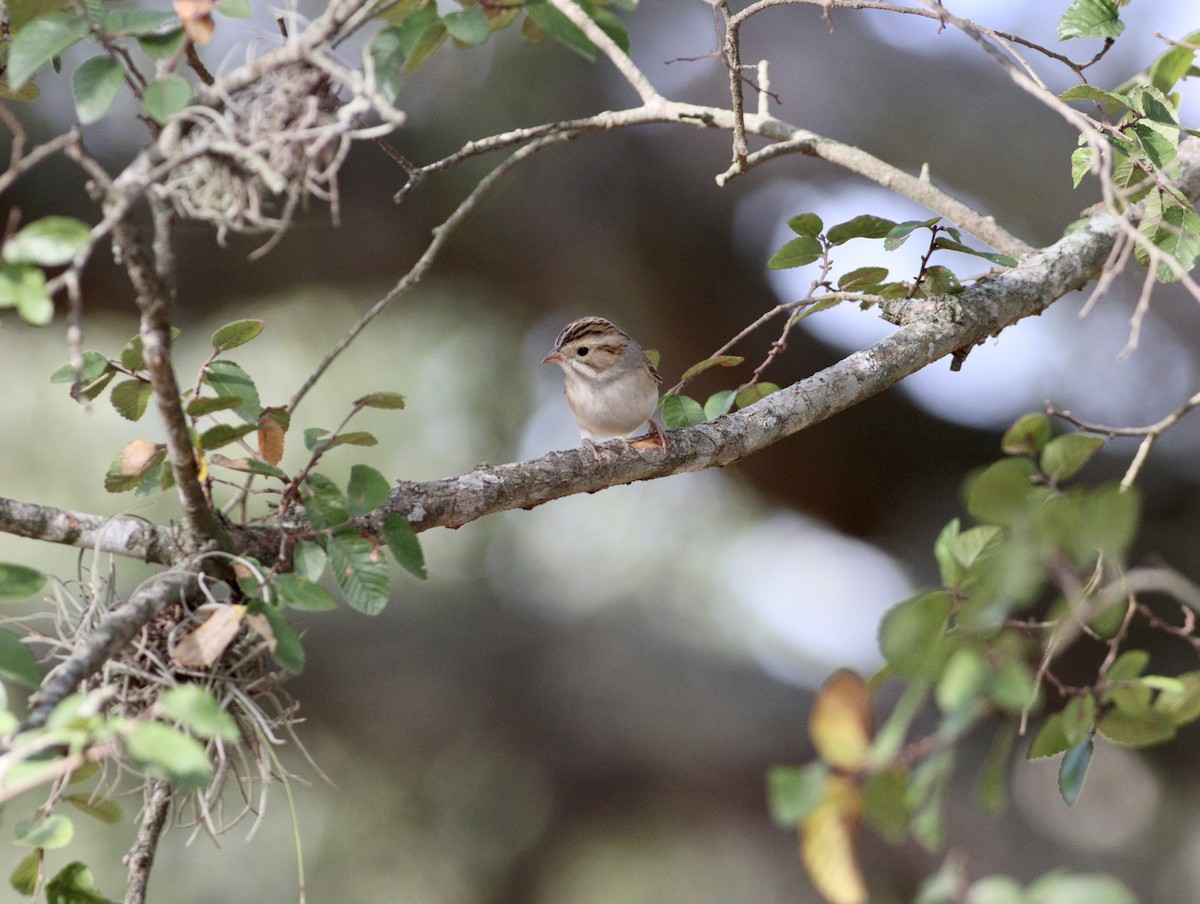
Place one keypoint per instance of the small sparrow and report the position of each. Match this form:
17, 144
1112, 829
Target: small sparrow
611, 386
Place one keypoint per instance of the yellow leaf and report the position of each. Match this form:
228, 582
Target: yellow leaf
197, 19
204, 646
270, 438
137, 456
841, 722
827, 843
259, 625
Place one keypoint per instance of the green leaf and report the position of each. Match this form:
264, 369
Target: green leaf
863, 279
352, 438
680, 411
49, 242
130, 398
1090, 19
1079, 719
25, 877
402, 542
1141, 729
963, 680
1028, 436
719, 403
806, 224
54, 831
1110, 100
1081, 164
39, 42
96, 84
17, 663
298, 592
1158, 143
469, 26
231, 335
23, 286
899, 233
957, 551
287, 649
427, 42
230, 381
1173, 229
168, 754
94, 365
1013, 687
911, 632
360, 571
990, 792
1173, 65
796, 253
163, 46
885, 803
165, 97
99, 808
202, 405
715, 361
1064, 456
947, 244
367, 490
74, 884
234, 9
926, 794
1182, 705
559, 27
387, 400
223, 435
309, 559
940, 280
387, 52
199, 712
748, 395
119, 23
323, 502
18, 582
793, 791
1004, 492
864, 226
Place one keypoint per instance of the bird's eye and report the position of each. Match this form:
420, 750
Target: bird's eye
582, 351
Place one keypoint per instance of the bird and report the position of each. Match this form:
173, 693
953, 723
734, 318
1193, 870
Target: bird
610, 383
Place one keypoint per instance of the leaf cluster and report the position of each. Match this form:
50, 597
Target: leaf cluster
1144, 138
1044, 565
77, 737
415, 30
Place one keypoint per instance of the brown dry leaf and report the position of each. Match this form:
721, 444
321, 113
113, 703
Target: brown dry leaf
270, 438
204, 646
827, 843
841, 722
137, 456
259, 625
197, 19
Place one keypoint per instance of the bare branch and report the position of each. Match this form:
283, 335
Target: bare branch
140, 858
608, 47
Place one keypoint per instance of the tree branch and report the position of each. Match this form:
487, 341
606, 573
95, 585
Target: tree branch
930, 330
141, 856
123, 536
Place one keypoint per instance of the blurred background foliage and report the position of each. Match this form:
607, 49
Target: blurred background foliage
582, 702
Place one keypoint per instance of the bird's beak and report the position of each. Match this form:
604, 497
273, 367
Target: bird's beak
555, 357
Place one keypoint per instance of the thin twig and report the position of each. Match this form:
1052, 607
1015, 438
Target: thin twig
441, 235
1150, 433
140, 858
